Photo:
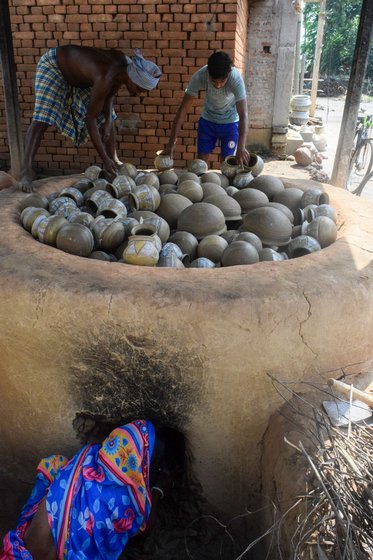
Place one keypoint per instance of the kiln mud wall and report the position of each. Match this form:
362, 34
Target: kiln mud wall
192, 347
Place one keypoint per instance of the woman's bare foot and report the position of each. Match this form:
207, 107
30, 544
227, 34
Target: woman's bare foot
25, 184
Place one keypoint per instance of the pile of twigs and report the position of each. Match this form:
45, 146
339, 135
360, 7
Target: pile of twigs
336, 519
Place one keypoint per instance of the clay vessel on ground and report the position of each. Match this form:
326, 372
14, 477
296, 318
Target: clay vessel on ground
75, 239
172, 248
75, 194
144, 197
169, 261
288, 213
112, 209
171, 206
35, 200
212, 247
162, 229
96, 199
149, 178
149, 230
212, 188
167, 188
162, 161
230, 167
323, 229
303, 156
211, 177
268, 254
48, 230
191, 189
128, 169
322, 210
250, 237
141, 250
120, 187
83, 184
128, 224
83, 218
302, 245
94, 172
197, 166
249, 199
187, 242
108, 233
290, 197
314, 196
270, 225
202, 262
255, 165
29, 215
188, 176
102, 256
168, 177
238, 253
242, 179
230, 235
268, 184
201, 219
231, 190
230, 207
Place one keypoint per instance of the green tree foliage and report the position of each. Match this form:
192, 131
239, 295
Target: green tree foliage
341, 24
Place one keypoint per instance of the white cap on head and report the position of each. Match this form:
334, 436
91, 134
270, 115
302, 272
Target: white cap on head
141, 72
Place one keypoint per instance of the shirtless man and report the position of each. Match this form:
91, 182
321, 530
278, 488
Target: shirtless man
74, 91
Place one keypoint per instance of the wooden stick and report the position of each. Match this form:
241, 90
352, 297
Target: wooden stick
345, 389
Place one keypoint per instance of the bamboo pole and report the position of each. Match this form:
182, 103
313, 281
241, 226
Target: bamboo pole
316, 63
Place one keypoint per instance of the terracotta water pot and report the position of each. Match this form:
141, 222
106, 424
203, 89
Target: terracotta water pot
35, 200
128, 169
202, 262
290, 197
171, 206
75, 239
314, 196
250, 237
187, 242
96, 199
141, 250
238, 253
112, 209
212, 247
197, 166
74, 194
242, 179
322, 210
120, 187
201, 219
323, 229
249, 199
48, 230
29, 215
188, 176
230, 207
303, 156
82, 218
162, 229
168, 177
144, 197
230, 167
212, 188
162, 161
268, 184
191, 189
268, 254
211, 177
302, 245
149, 178
270, 225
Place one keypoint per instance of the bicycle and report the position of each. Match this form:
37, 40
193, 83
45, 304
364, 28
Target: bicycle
362, 155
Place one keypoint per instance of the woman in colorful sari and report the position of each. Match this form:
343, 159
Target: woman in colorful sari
87, 508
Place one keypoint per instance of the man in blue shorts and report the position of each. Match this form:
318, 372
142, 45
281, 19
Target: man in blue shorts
224, 118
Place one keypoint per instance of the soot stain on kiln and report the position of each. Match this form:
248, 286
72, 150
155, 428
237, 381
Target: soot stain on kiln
122, 377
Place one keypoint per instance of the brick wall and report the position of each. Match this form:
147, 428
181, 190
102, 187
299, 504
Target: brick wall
178, 35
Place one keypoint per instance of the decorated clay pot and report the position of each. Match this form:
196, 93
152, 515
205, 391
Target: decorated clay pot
171, 247
302, 245
75, 239
83, 184
249, 199
212, 188
149, 178
197, 166
120, 187
202, 262
171, 206
201, 219
238, 253
81, 218
169, 261
112, 209
191, 189
162, 229
323, 229
290, 197
128, 169
67, 211
141, 215
187, 242
61, 201
250, 237
270, 225
322, 210
268, 184
230, 207
96, 199
29, 215
108, 233
242, 179
314, 196
128, 224
230, 167
162, 161
212, 247
94, 172
144, 197
48, 229
35, 200
141, 250
147, 230
255, 165
74, 194
35, 225
168, 177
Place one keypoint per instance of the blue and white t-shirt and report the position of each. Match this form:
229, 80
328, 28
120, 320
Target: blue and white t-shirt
220, 104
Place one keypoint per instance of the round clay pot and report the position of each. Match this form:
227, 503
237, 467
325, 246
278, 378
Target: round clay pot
35, 200
102, 256
96, 199
230, 235
255, 165
147, 230
144, 197
120, 187
197, 166
201, 219
296, 231
67, 211
231, 190
167, 188
141, 215
250, 237
242, 179
270, 225
188, 176
112, 209
283, 209
290, 197
238, 253
303, 156
212, 247
168, 177
191, 189
75, 239
202, 262
94, 172
29, 215
230, 207
302, 245
61, 201
108, 233
268, 184
314, 196
82, 218
100, 184
128, 224
83, 184
171, 206
169, 261
35, 225
224, 181
141, 251
48, 230
323, 229
75, 194
212, 188
230, 167
162, 161
128, 169
322, 210
249, 199
211, 177
149, 178
187, 243
268, 254
172, 248
162, 229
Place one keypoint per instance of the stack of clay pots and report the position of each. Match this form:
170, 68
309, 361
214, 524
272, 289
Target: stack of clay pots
182, 218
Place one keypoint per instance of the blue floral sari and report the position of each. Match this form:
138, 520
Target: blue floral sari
96, 501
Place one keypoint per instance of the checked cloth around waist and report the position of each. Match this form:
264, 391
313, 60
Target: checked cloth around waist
59, 104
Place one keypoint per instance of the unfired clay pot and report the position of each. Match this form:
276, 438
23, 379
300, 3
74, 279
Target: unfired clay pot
169, 261
120, 187
144, 197
188, 176
162, 161
323, 229
187, 242
211, 177
242, 179
255, 165
290, 197
212, 247
112, 209
96, 199
197, 166
35, 200
162, 229
168, 177
302, 245
230, 167
82, 218
128, 169
239, 252
270, 225
75, 194
75, 239
191, 189
249, 199
268, 184
212, 188
202, 262
201, 219
171, 207
322, 210
314, 196
148, 178
268, 254
250, 237
49, 228
230, 207
288, 213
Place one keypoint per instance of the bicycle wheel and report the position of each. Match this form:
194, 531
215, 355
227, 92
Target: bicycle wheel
361, 164
368, 177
